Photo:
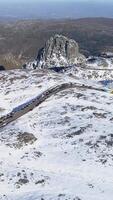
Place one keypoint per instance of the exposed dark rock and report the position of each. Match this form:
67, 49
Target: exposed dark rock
21, 140
2, 68
40, 182
25, 139
59, 51
22, 181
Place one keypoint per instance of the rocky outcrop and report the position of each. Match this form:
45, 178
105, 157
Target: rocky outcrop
2, 68
59, 51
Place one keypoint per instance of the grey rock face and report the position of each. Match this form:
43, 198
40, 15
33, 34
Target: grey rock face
59, 51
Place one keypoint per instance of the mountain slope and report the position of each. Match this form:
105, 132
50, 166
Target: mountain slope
63, 148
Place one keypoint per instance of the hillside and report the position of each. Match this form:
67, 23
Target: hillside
21, 40
61, 150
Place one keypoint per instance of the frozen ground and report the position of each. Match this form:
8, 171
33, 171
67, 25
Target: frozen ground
61, 150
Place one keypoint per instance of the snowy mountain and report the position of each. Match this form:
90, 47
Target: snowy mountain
63, 149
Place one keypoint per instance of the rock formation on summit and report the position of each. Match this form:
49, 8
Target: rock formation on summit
59, 51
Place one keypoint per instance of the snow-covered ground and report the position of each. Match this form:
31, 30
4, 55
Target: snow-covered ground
61, 150
100, 63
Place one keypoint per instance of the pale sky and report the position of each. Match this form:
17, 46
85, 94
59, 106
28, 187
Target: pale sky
56, 8
32, 1
8, 2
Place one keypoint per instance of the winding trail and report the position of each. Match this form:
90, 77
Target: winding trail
30, 105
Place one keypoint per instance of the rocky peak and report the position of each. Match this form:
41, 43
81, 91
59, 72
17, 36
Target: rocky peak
59, 51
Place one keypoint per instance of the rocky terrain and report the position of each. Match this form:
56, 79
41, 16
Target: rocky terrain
59, 51
56, 140
61, 150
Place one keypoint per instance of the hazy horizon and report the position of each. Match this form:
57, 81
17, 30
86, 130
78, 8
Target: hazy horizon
55, 9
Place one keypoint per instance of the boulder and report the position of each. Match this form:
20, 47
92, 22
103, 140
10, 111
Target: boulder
2, 68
